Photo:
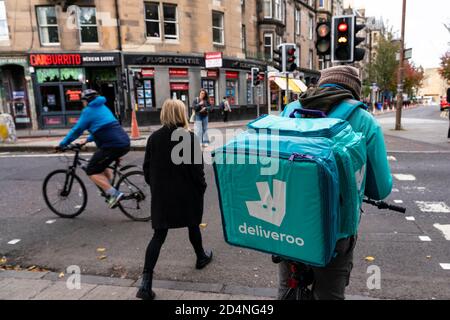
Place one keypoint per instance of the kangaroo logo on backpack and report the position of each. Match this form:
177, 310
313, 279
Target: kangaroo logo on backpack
271, 208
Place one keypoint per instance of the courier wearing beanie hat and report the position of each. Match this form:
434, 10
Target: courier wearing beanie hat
344, 76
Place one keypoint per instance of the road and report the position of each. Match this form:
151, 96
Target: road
411, 266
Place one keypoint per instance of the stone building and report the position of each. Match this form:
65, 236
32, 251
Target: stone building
50, 50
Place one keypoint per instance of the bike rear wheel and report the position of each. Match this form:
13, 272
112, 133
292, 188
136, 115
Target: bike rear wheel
64, 193
136, 202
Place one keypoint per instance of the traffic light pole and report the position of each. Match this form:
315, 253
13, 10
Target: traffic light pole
398, 117
287, 88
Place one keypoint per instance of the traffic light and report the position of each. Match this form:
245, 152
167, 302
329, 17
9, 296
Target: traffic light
359, 53
276, 58
124, 81
323, 43
138, 82
289, 57
256, 80
342, 48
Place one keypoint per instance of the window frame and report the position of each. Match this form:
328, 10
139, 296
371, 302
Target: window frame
244, 38
311, 27
222, 29
151, 20
87, 25
311, 59
4, 37
176, 23
268, 35
321, 4
270, 2
40, 26
297, 21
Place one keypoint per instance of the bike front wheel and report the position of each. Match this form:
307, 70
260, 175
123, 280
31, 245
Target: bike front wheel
135, 203
64, 193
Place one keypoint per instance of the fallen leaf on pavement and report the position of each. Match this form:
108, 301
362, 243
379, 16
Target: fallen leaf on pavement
61, 275
369, 259
428, 257
203, 225
31, 268
101, 249
3, 260
103, 257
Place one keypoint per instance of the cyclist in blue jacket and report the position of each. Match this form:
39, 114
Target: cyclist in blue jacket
111, 140
336, 86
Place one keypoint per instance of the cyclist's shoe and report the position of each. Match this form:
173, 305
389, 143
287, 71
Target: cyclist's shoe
204, 261
115, 199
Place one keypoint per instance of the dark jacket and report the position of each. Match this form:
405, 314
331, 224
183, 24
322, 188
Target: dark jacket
177, 189
198, 107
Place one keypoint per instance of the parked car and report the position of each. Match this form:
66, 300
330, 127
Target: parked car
444, 104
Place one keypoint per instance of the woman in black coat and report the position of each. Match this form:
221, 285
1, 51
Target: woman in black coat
174, 171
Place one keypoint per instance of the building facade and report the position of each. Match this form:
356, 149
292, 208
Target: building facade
51, 50
434, 86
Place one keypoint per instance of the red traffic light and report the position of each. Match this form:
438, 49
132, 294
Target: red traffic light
323, 30
343, 27
291, 51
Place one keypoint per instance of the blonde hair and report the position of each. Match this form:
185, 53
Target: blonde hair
173, 114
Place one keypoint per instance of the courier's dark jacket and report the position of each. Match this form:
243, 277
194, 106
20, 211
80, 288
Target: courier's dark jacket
177, 190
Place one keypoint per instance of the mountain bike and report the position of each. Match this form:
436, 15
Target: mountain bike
65, 193
301, 276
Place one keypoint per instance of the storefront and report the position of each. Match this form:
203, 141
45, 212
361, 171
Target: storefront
182, 77
16, 91
59, 80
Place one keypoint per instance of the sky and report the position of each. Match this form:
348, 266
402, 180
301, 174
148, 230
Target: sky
425, 31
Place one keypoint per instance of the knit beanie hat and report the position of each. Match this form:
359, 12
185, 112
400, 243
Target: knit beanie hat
345, 76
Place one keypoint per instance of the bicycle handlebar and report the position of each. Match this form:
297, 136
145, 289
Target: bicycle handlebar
384, 205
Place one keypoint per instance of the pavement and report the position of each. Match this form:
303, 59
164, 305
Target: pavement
411, 251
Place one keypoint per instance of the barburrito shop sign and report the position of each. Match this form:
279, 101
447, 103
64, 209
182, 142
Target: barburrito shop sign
73, 59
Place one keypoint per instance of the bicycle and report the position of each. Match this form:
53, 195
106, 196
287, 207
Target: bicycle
65, 193
301, 276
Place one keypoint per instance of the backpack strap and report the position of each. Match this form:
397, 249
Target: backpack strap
345, 109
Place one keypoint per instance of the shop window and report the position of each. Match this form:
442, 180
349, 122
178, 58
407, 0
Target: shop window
152, 19
47, 75
218, 29
145, 94
210, 87
48, 25
170, 21
231, 91
88, 25
72, 96
51, 99
4, 34
72, 74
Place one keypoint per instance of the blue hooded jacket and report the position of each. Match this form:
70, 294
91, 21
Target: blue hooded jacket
103, 127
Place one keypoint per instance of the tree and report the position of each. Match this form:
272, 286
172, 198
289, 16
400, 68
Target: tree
414, 77
383, 69
444, 70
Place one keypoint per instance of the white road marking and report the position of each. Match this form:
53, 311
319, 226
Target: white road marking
398, 201
444, 228
445, 266
41, 155
404, 177
391, 158
425, 238
410, 218
15, 241
436, 207
50, 221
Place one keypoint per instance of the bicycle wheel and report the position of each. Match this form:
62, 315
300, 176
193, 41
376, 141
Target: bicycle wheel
136, 202
67, 203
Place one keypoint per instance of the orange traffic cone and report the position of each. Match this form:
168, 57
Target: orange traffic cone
135, 134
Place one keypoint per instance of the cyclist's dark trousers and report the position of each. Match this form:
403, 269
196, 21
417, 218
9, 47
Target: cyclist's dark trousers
154, 247
329, 281
102, 158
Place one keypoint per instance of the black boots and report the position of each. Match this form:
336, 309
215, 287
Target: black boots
204, 260
145, 291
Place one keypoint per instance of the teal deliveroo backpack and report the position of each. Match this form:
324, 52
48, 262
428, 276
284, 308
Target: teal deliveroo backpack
279, 185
